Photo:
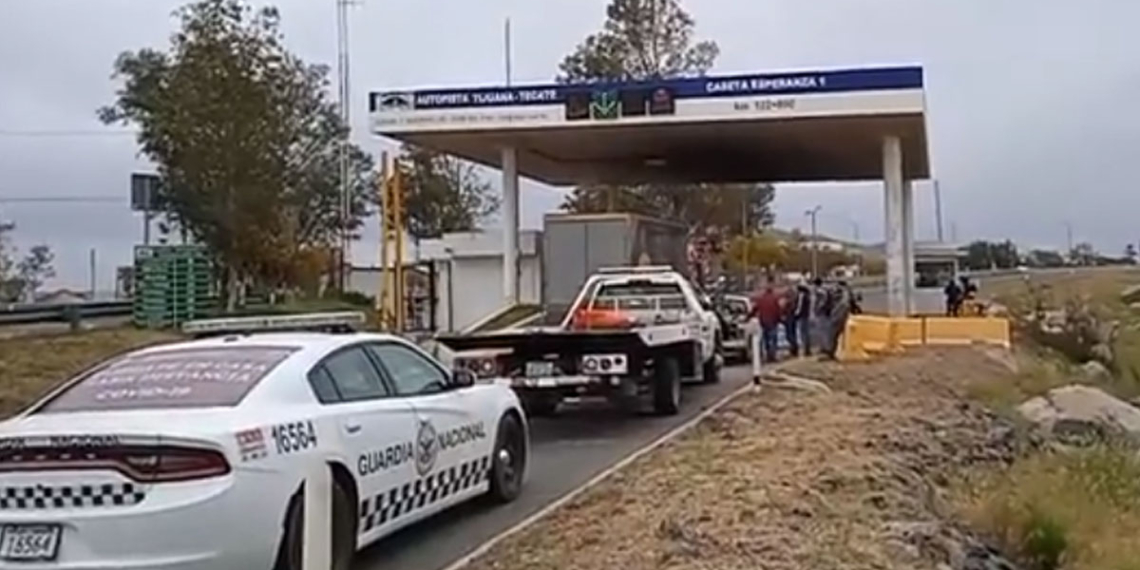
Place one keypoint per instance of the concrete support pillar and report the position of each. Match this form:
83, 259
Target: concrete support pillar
895, 247
908, 244
510, 225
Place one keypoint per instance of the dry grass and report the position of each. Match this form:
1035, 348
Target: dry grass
1072, 510
1100, 291
1078, 509
31, 366
1101, 286
784, 480
1036, 373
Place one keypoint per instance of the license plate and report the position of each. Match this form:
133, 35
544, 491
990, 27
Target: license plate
539, 368
29, 542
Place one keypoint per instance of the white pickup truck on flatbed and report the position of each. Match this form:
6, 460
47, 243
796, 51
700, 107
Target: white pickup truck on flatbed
631, 332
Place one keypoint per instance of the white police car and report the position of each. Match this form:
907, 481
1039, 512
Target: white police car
193, 455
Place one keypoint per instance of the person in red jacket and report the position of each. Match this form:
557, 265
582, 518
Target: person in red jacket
766, 308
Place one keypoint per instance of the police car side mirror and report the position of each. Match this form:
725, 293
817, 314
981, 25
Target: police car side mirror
462, 378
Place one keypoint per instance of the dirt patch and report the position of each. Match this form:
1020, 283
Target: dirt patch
31, 366
790, 479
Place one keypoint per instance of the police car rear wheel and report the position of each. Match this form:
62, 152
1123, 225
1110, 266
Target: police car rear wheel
667, 386
508, 460
343, 537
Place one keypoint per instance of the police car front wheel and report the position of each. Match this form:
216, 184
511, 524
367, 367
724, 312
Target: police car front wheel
508, 460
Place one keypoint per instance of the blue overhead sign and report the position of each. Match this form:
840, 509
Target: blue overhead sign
791, 83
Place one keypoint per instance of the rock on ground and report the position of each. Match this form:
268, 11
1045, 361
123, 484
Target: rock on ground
1078, 413
853, 477
1130, 294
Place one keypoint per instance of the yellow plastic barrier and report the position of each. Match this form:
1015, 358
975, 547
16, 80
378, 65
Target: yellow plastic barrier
908, 332
875, 334
967, 330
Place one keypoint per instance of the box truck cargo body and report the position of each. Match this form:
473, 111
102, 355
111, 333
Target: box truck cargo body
577, 245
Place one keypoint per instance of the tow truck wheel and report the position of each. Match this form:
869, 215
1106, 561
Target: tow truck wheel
539, 405
667, 386
508, 461
290, 555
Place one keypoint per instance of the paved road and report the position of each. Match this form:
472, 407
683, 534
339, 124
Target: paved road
567, 451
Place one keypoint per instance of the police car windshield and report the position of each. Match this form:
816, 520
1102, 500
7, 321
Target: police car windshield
180, 378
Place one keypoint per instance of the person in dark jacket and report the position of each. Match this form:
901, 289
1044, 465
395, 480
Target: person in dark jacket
791, 330
953, 298
838, 305
801, 314
766, 308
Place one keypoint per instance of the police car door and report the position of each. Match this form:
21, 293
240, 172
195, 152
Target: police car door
453, 441
377, 433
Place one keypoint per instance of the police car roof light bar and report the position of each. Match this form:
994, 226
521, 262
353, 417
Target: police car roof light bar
636, 269
344, 321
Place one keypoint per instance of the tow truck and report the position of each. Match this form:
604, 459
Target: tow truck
631, 332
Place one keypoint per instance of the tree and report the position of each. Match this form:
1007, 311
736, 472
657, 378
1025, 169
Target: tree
443, 194
1130, 254
19, 280
647, 40
246, 140
982, 255
641, 39
35, 268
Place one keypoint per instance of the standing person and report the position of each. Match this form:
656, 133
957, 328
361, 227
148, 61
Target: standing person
766, 308
838, 305
802, 315
791, 330
818, 313
953, 298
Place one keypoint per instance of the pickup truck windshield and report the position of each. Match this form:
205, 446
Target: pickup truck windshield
640, 296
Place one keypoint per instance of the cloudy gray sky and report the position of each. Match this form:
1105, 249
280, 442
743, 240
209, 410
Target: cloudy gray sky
1032, 112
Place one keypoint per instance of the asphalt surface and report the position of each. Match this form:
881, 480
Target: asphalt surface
567, 450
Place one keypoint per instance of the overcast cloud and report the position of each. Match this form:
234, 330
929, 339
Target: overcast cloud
1032, 113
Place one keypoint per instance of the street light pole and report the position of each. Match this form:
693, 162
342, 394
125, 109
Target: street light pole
814, 213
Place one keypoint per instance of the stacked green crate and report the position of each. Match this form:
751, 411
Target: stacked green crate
173, 284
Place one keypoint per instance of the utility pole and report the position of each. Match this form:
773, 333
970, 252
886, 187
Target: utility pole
507, 49
938, 209
345, 103
814, 213
1069, 237
92, 270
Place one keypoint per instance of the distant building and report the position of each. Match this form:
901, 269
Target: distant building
823, 245
62, 297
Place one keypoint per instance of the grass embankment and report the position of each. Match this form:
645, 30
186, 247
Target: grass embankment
1043, 369
31, 366
1063, 508
788, 480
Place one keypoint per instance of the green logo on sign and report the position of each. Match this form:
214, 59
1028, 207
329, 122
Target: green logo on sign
604, 105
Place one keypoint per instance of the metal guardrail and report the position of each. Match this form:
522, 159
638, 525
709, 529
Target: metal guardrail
34, 314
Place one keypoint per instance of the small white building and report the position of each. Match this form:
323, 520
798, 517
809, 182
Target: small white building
468, 271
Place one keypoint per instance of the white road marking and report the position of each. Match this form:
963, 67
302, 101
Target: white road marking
482, 549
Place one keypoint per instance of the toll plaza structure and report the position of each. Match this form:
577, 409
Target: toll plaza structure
796, 126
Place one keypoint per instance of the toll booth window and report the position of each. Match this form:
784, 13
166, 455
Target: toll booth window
661, 102
577, 106
634, 102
